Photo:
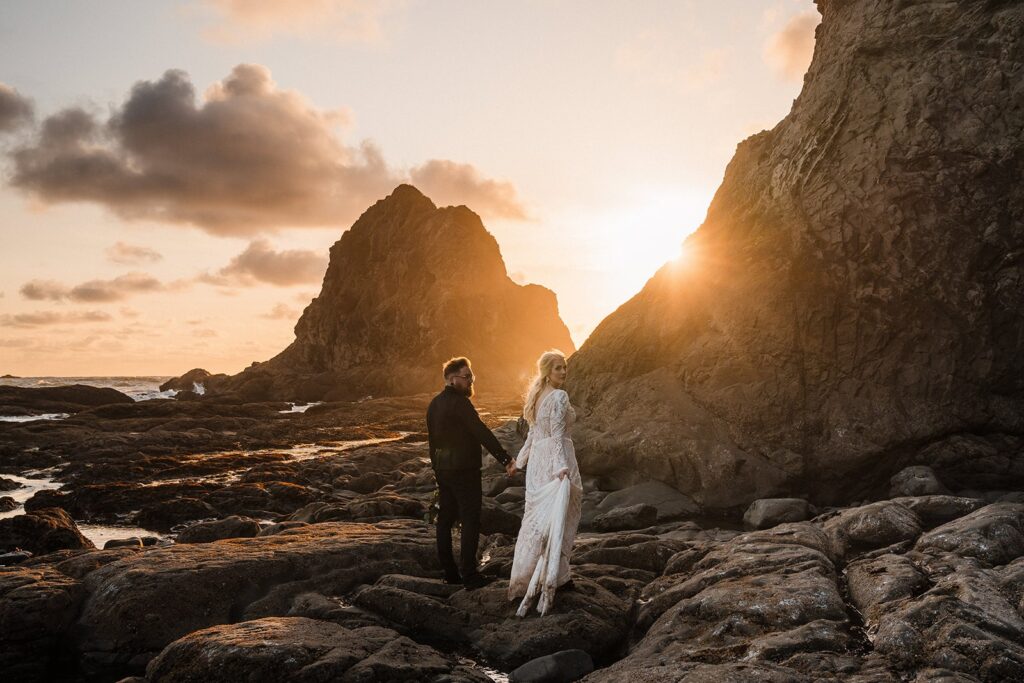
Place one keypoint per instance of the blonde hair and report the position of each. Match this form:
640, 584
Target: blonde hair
545, 363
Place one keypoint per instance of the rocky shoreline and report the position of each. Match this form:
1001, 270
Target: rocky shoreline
301, 551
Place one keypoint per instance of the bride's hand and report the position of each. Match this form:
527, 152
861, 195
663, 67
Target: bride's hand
563, 473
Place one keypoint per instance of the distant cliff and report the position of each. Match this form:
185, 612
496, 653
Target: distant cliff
409, 286
854, 298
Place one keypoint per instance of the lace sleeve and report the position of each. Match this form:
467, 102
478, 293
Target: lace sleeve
559, 417
524, 452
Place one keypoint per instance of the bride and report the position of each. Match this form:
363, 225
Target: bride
554, 491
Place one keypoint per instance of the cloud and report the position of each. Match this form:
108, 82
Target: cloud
447, 182
261, 263
41, 318
281, 312
790, 50
239, 21
15, 110
129, 254
248, 158
93, 291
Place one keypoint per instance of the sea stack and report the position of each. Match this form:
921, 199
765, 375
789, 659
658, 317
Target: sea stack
407, 287
853, 302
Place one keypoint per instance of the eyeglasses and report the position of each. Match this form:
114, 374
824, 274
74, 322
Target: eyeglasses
468, 377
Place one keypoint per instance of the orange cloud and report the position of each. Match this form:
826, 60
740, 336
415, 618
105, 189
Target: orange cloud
790, 50
41, 318
93, 291
261, 263
249, 158
129, 254
15, 110
447, 182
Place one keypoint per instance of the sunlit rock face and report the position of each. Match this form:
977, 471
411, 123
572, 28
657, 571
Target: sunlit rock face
408, 287
853, 301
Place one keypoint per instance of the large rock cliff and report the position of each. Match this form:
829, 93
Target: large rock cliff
853, 301
407, 287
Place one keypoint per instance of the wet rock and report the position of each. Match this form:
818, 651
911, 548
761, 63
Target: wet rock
41, 531
994, 535
187, 381
561, 667
871, 526
130, 542
963, 624
431, 618
9, 484
231, 527
7, 504
301, 649
588, 618
769, 512
635, 552
935, 510
872, 582
669, 502
637, 516
919, 480
65, 399
37, 609
139, 604
14, 557
163, 516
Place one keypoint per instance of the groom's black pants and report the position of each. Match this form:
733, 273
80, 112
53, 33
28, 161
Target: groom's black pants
459, 495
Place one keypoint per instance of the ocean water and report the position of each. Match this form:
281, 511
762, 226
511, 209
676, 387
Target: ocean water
139, 388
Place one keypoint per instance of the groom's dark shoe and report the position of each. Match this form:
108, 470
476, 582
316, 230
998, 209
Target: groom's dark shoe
476, 581
453, 580
567, 586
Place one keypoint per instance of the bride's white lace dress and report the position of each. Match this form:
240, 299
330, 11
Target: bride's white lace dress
552, 509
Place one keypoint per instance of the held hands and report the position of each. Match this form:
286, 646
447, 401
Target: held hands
510, 468
563, 473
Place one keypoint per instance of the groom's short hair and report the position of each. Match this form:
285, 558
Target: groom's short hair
453, 365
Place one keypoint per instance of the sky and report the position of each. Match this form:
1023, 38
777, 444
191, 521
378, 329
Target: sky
173, 172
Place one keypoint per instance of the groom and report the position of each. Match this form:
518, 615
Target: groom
456, 432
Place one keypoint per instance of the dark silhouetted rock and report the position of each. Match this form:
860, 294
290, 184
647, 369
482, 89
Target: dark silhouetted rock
562, 667
41, 531
382, 325
854, 294
66, 399
919, 480
215, 530
188, 381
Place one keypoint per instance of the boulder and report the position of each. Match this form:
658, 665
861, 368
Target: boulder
669, 503
561, 667
919, 480
871, 526
849, 294
994, 535
215, 530
302, 650
41, 531
769, 512
637, 516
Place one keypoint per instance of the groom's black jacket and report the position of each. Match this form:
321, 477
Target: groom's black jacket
456, 432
